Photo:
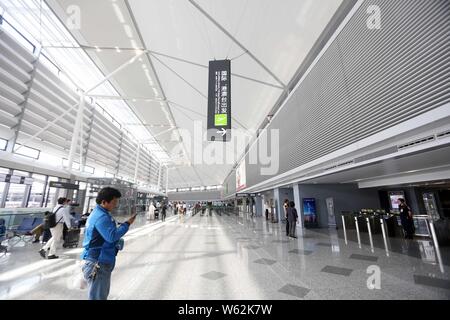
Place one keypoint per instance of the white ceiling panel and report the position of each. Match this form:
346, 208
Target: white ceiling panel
279, 34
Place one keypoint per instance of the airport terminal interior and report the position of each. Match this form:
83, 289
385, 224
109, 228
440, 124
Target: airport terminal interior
266, 150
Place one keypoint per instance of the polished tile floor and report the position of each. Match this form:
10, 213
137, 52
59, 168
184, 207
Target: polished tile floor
238, 257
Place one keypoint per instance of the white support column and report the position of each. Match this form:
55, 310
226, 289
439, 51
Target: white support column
298, 204
76, 131
259, 206
167, 181
159, 176
278, 205
136, 168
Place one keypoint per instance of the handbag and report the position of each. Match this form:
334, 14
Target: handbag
77, 281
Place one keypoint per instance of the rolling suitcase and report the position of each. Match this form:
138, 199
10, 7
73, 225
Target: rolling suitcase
46, 236
72, 238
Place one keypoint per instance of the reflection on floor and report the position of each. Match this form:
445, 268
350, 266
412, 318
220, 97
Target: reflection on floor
238, 257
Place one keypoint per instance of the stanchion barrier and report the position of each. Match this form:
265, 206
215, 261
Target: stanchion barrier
384, 236
369, 230
436, 245
357, 232
345, 230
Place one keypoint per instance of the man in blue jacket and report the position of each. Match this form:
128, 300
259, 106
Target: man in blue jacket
101, 243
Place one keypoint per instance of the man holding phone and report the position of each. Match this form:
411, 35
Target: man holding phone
102, 242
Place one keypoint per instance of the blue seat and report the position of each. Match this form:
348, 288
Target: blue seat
3, 249
25, 228
36, 222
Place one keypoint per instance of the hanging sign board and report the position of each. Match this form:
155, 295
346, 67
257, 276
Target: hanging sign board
3, 177
15, 179
64, 185
219, 100
28, 181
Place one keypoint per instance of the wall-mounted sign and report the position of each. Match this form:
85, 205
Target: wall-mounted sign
219, 100
64, 185
15, 179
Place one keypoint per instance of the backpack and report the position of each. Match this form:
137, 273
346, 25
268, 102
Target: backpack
50, 219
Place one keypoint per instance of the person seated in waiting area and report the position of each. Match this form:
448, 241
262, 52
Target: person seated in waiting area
37, 232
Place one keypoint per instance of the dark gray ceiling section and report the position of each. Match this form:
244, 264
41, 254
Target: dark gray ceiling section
367, 81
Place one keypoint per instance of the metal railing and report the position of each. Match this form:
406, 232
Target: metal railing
431, 232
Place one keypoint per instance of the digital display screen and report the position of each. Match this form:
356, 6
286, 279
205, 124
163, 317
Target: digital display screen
394, 197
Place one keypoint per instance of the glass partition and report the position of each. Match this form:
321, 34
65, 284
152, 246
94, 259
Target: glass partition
37, 191
15, 196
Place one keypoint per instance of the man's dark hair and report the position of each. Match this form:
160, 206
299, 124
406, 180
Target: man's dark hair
401, 200
292, 204
61, 200
107, 194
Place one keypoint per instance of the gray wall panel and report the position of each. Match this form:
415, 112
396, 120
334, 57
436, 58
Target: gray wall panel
367, 81
346, 198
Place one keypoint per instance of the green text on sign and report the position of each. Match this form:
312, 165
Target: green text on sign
221, 120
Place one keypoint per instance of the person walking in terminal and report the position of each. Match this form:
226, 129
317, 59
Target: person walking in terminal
293, 219
406, 218
266, 209
62, 215
163, 211
151, 211
102, 242
286, 207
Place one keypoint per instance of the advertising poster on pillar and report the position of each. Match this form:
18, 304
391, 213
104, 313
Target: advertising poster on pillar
241, 182
309, 212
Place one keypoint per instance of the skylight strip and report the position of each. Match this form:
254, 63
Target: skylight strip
81, 69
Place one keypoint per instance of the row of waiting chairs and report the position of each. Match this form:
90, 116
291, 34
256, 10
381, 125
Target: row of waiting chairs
22, 232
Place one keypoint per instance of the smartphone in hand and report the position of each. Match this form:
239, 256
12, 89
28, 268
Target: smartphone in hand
132, 218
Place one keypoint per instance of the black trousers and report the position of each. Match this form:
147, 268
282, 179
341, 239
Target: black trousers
287, 227
408, 226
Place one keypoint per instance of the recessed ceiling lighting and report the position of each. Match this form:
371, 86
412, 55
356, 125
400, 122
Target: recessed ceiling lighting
119, 13
128, 30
